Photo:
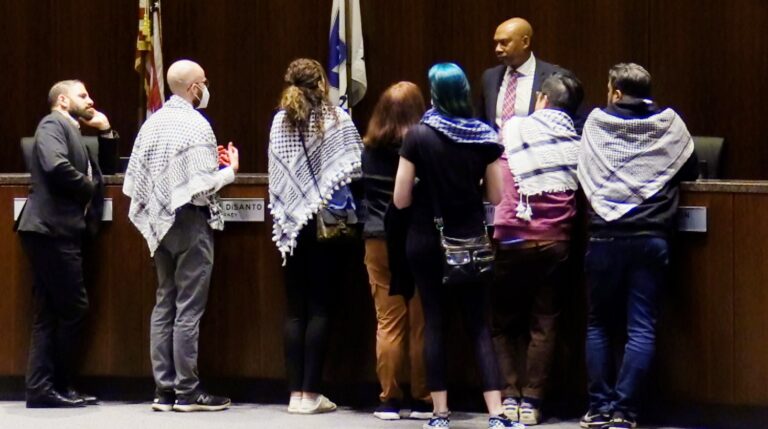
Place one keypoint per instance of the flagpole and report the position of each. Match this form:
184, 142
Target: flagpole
348, 38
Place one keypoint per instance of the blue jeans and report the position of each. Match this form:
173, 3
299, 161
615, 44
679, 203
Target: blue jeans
624, 277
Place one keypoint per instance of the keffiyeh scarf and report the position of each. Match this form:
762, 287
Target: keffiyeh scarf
335, 159
460, 130
173, 161
542, 151
623, 162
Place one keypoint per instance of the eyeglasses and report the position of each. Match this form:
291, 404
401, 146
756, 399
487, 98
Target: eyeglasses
204, 82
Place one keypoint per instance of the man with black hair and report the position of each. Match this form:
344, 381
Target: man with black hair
633, 156
532, 230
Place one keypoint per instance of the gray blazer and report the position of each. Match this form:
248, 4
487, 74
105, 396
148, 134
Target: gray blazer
62, 201
492, 79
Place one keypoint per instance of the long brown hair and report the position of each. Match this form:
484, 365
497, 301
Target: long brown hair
306, 93
399, 107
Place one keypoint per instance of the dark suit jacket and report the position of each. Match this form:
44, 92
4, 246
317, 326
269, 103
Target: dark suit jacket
492, 79
60, 189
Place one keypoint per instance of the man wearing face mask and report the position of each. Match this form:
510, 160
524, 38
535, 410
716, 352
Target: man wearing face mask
172, 179
65, 201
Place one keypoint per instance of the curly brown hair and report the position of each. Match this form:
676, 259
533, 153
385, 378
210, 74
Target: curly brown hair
399, 108
306, 93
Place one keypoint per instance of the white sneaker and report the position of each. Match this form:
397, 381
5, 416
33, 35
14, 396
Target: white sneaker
294, 404
321, 404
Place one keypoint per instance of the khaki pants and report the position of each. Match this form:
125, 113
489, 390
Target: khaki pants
396, 319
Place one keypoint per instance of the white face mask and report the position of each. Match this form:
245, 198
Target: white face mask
205, 98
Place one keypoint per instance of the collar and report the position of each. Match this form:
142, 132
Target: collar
527, 68
69, 117
177, 102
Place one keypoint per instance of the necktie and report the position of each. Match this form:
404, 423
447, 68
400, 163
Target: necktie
508, 110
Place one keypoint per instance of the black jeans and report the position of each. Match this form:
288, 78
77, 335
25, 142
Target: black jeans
624, 277
60, 307
310, 285
425, 257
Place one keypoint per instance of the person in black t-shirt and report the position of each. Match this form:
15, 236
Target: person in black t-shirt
400, 320
451, 154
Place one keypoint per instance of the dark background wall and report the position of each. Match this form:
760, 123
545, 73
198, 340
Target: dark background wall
708, 58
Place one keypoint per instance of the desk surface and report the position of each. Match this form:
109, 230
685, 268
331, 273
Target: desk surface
722, 185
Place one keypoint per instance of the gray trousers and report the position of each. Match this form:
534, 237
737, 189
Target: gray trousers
184, 261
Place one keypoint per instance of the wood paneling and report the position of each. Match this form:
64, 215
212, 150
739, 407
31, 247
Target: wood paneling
705, 56
696, 325
751, 299
712, 332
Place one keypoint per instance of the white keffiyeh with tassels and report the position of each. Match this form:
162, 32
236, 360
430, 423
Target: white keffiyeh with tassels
542, 150
174, 162
623, 162
335, 158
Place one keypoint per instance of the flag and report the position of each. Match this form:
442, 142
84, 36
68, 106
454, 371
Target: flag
149, 54
346, 62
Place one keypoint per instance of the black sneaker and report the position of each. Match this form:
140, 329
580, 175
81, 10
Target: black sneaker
388, 410
421, 410
164, 400
200, 401
594, 419
620, 421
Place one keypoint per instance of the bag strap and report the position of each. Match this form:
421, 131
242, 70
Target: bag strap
439, 224
309, 164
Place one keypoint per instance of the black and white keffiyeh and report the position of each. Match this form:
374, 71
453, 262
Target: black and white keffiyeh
542, 150
335, 159
174, 161
623, 162
460, 130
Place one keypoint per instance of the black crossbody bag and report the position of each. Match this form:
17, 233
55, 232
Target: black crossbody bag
465, 260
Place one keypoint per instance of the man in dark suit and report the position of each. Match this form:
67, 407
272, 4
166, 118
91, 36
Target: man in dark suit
65, 201
509, 89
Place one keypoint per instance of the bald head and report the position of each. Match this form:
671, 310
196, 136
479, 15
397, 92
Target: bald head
513, 41
182, 76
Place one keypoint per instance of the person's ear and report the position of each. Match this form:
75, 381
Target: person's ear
617, 95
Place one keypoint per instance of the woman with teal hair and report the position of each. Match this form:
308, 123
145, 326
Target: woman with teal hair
455, 158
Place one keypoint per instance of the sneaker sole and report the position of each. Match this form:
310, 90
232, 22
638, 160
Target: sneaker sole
387, 415
529, 420
196, 407
420, 415
162, 407
592, 425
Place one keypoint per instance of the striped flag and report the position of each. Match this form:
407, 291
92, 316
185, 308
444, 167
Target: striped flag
149, 54
346, 61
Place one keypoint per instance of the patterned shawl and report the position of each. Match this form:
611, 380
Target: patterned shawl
542, 150
173, 161
335, 158
460, 130
623, 162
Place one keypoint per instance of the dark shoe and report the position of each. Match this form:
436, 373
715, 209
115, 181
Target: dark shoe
74, 394
200, 401
421, 410
52, 399
164, 400
388, 410
594, 419
620, 421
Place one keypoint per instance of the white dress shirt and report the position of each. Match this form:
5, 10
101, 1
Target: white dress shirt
523, 91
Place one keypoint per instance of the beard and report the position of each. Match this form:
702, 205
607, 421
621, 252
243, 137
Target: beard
85, 113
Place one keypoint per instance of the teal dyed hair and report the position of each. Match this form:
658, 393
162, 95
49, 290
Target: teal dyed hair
450, 91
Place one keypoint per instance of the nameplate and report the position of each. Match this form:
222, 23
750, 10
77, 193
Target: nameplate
18, 204
692, 219
242, 209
